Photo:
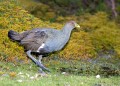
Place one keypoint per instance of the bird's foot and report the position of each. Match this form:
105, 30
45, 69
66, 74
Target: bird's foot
42, 73
42, 66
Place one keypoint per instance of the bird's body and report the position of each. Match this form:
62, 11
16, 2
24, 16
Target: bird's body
52, 39
43, 40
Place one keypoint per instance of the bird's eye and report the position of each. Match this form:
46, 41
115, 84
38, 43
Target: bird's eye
72, 23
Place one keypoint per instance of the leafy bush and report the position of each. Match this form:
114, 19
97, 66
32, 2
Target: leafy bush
15, 18
38, 9
104, 32
97, 33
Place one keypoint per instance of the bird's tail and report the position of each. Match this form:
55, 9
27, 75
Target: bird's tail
14, 35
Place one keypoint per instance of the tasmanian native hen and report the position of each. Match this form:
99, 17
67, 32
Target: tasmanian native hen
43, 40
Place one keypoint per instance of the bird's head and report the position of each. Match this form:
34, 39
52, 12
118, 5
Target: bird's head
72, 24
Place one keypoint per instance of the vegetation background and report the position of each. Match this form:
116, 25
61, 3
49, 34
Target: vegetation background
94, 49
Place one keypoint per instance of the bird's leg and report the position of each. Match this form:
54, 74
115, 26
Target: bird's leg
36, 61
42, 66
40, 58
31, 57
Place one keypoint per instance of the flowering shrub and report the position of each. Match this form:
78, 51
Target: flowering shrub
105, 33
13, 17
97, 33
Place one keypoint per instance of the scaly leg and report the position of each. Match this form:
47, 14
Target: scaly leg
36, 61
40, 58
43, 67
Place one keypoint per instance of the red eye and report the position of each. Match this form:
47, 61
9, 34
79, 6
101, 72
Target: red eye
72, 22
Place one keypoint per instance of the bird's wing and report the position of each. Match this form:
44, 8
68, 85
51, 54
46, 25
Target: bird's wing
34, 39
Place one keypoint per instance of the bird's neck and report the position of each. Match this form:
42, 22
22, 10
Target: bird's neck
67, 30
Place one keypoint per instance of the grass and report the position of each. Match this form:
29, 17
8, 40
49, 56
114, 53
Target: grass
61, 80
21, 75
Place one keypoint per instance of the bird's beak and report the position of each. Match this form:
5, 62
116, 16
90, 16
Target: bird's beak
77, 26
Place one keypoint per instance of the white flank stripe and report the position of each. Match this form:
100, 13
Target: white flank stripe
42, 46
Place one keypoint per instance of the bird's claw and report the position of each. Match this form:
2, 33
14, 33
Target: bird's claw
42, 66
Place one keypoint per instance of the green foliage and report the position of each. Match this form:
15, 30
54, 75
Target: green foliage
97, 33
39, 10
66, 7
15, 18
76, 7
103, 66
104, 32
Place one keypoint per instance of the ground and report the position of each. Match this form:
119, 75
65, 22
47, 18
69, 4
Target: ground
27, 75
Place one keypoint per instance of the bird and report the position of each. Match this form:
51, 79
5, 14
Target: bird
43, 41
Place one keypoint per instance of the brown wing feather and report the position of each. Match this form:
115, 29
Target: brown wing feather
34, 40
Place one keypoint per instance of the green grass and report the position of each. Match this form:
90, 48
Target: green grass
55, 78
61, 80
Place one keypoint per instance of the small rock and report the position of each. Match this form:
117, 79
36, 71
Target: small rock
97, 76
32, 77
19, 80
20, 73
63, 73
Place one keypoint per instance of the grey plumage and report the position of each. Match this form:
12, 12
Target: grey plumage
43, 40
